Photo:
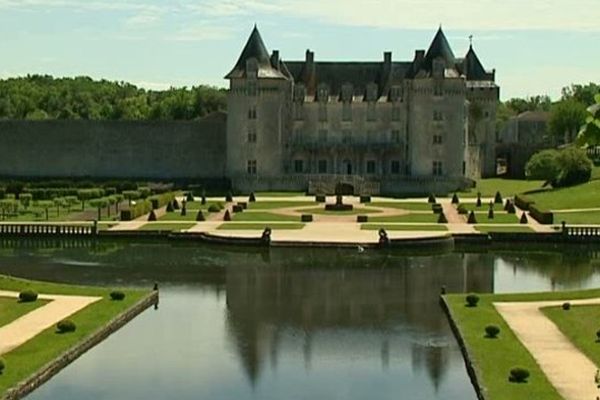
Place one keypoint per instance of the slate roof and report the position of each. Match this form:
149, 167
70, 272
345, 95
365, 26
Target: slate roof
255, 48
472, 68
439, 48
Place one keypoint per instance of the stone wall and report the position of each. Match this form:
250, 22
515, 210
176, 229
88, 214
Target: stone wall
114, 149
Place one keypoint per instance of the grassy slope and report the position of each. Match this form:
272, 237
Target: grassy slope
580, 196
588, 217
11, 309
579, 324
506, 187
493, 359
258, 226
31, 356
390, 227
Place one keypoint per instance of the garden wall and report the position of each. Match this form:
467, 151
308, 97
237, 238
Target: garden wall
114, 149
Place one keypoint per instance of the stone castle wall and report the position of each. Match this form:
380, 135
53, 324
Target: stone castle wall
114, 149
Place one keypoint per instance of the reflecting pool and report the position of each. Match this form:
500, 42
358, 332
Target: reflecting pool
283, 323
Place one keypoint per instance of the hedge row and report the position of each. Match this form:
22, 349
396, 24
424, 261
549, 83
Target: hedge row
161, 200
542, 216
523, 202
136, 210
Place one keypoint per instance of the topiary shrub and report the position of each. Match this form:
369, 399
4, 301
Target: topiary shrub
170, 207
2, 366
213, 208
472, 219
437, 208
66, 326
455, 199
237, 208
229, 197
243, 204
306, 218
442, 219
152, 216
320, 198
511, 208
203, 200
189, 196
431, 198
575, 167
492, 331
472, 300
598, 335
491, 213
518, 375
462, 209
227, 216
200, 216
566, 306
478, 202
183, 211
365, 199
506, 204
498, 198
28, 296
523, 219
175, 204
362, 218
252, 198
117, 295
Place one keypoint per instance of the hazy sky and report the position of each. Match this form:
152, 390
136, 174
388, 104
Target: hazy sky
536, 46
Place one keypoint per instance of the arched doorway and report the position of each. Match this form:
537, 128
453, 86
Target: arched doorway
347, 167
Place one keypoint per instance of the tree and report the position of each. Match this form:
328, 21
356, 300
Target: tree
566, 119
590, 131
131, 195
543, 165
533, 103
99, 204
575, 167
45, 205
25, 199
582, 93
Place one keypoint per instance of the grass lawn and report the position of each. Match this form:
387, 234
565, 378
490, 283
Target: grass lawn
270, 205
34, 354
413, 206
580, 325
586, 195
176, 216
428, 218
278, 194
355, 211
583, 218
263, 216
501, 228
392, 227
162, 227
507, 187
276, 226
499, 218
197, 205
11, 309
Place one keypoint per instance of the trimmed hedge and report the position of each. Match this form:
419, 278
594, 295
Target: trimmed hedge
161, 200
320, 198
66, 326
542, 216
306, 218
132, 212
523, 202
365, 199
436, 208
28, 296
362, 218
117, 295
518, 375
237, 208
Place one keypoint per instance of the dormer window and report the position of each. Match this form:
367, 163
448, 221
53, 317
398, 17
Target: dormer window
347, 93
252, 67
299, 93
322, 93
371, 92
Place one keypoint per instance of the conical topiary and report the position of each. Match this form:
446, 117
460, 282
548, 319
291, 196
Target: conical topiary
227, 216
152, 216
203, 197
455, 199
170, 207
200, 216
175, 204
511, 208
491, 213
442, 219
183, 211
252, 198
189, 197
431, 198
523, 219
472, 219
506, 205
229, 197
498, 198
478, 203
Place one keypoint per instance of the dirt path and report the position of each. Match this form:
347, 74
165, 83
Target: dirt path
567, 368
30, 325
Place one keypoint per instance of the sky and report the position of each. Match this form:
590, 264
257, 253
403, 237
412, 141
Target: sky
536, 46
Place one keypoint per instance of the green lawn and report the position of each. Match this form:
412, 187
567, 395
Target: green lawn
258, 195
263, 216
162, 227
413, 206
580, 325
392, 227
484, 207
355, 211
34, 354
270, 205
176, 216
250, 226
507, 187
197, 205
499, 218
583, 218
501, 228
586, 195
408, 218
11, 309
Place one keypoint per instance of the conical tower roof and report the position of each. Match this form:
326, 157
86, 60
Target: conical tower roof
439, 48
255, 48
472, 67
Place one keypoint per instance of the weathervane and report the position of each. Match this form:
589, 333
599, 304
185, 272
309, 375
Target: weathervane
470, 40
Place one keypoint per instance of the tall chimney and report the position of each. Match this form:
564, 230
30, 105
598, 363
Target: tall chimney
387, 58
275, 59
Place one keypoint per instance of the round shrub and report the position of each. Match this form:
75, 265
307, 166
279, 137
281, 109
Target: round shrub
575, 167
543, 166
518, 375
472, 300
566, 306
492, 331
2, 366
213, 208
66, 326
598, 335
117, 295
28, 296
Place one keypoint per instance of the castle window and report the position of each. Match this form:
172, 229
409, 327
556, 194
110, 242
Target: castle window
395, 113
438, 115
322, 166
437, 139
346, 136
322, 112
251, 167
437, 168
252, 135
251, 88
347, 111
298, 166
322, 94
395, 167
371, 115
252, 112
371, 167
323, 135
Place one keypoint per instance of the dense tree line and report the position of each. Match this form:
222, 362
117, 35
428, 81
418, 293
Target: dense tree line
38, 97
